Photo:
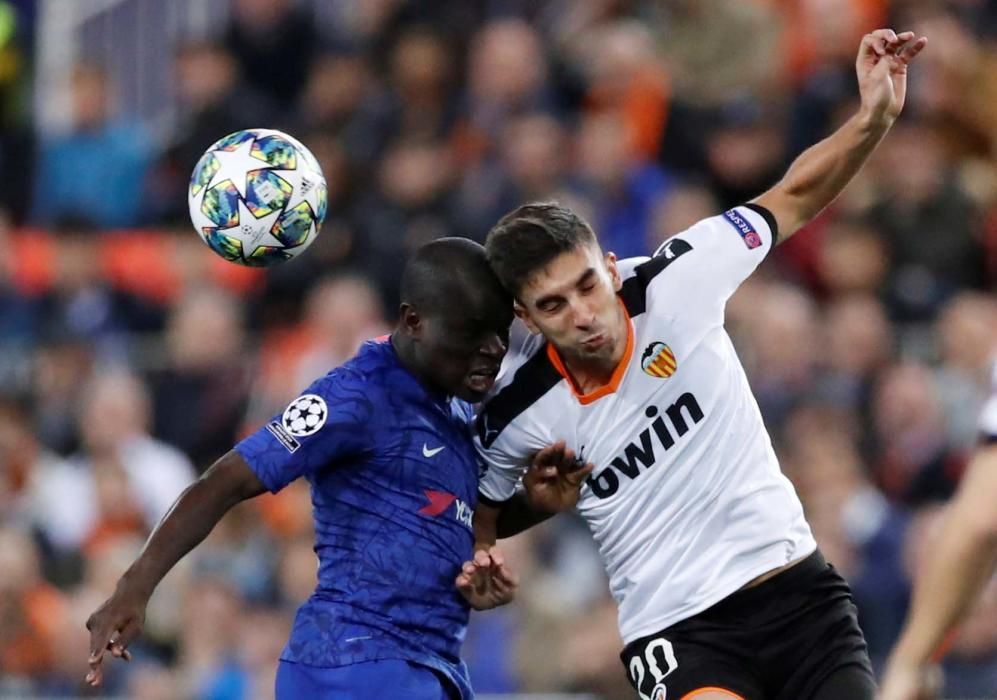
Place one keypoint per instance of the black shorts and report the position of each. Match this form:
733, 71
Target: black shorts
793, 637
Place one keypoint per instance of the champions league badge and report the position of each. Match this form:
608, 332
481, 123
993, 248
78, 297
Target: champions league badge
744, 229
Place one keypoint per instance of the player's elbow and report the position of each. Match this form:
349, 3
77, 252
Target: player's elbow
791, 210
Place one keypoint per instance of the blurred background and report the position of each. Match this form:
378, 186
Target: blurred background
132, 357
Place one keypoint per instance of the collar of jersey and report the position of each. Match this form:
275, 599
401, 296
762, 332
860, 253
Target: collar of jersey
614, 380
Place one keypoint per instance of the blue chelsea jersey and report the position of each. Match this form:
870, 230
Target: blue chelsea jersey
393, 477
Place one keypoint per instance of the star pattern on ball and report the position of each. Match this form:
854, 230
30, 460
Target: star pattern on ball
257, 197
233, 165
254, 232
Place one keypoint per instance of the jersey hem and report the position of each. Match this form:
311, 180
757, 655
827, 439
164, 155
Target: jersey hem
250, 458
662, 623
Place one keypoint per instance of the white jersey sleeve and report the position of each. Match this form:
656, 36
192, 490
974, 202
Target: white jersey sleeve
988, 419
504, 449
724, 250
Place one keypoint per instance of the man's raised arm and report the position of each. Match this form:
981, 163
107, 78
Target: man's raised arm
821, 172
119, 620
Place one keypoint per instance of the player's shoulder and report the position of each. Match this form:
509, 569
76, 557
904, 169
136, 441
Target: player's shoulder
369, 370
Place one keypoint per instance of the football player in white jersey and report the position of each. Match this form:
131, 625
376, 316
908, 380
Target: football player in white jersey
720, 589
963, 561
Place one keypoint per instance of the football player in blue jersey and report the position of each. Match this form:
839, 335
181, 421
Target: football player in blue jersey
384, 441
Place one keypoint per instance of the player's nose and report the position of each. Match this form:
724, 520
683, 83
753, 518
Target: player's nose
494, 347
582, 315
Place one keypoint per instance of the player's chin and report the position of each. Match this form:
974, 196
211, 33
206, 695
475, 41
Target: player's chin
477, 384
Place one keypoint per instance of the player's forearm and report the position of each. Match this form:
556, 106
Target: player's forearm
960, 565
516, 515
192, 517
486, 519
820, 173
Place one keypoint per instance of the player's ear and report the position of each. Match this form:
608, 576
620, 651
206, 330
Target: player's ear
411, 321
614, 271
523, 315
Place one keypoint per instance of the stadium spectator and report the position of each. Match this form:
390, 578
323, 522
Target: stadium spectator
213, 103
930, 224
274, 42
413, 205
913, 462
507, 77
32, 612
199, 397
622, 190
530, 165
97, 172
128, 472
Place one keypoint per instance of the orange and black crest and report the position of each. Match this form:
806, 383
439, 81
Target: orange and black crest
658, 360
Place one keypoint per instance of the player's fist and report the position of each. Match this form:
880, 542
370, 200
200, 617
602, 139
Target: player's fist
881, 67
113, 626
485, 581
554, 479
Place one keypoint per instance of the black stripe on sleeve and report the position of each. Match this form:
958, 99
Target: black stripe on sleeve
482, 498
769, 219
988, 439
634, 290
532, 380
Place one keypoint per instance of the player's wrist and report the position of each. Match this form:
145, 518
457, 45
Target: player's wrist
134, 585
873, 121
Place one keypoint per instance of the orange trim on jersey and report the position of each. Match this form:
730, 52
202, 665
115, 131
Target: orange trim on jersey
614, 380
700, 691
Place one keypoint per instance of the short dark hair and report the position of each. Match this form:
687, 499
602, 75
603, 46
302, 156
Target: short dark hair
530, 236
445, 272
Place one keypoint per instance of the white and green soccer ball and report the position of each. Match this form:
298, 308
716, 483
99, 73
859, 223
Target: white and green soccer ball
257, 197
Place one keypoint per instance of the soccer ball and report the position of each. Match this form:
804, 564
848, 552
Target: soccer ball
257, 197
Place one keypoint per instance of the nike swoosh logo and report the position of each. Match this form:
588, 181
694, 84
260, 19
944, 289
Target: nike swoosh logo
426, 452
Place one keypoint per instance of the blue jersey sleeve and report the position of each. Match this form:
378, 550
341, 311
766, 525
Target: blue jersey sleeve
328, 423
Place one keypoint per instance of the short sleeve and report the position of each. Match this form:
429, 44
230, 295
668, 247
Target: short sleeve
501, 472
725, 249
328, 423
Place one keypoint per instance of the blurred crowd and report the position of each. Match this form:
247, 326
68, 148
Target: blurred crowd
866, 338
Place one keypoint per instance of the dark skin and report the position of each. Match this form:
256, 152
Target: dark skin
456, 352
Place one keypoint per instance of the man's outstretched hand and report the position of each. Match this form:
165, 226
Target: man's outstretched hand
554, 479
485, 581
113, 626
881, 67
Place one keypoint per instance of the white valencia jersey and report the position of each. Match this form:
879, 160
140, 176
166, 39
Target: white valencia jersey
687, 502
988, 419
